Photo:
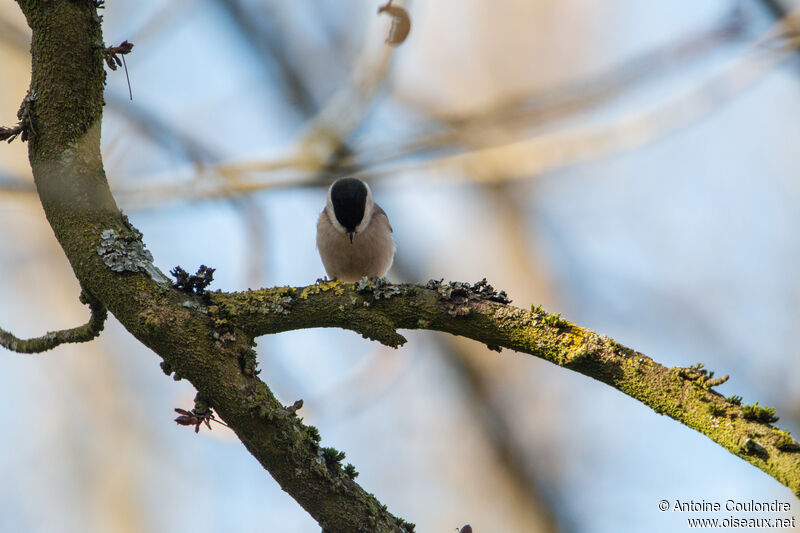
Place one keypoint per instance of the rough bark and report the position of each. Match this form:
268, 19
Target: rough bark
208, 339
108, 259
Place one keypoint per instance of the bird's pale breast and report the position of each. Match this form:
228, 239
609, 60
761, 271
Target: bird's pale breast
370, 254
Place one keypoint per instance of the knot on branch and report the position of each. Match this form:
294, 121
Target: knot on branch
26, 128
701, 377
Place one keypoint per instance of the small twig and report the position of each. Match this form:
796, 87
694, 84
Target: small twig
11, 133
112, 54
26, 127
115, 57
50, 340
128, 78
197, 419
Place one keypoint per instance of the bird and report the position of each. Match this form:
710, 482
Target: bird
354, 237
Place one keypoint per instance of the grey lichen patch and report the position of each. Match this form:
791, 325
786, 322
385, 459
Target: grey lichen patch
123, 255
194, 306
248, 362
263, 406
459, 310
278, 301
751, 447
127, 253
223, 338
280, 304
616, 348
512, 316
593, 342
378, 288
480, 291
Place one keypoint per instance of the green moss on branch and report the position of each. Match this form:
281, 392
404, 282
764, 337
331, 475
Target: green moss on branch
377, 310
108, 259
52, 339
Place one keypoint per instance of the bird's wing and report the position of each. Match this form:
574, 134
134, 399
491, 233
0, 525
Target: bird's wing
378, 211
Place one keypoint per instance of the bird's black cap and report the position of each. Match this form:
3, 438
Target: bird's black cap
349, 198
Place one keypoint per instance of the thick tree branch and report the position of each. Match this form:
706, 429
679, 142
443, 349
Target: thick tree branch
111, 262
377, 310
51, 339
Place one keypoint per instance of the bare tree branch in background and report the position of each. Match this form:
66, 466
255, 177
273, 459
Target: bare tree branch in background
517, 112
531, 157
262, 33
326, 133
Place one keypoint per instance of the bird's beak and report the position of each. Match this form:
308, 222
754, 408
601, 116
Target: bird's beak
351, 234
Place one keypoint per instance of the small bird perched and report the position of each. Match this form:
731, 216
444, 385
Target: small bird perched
354, 237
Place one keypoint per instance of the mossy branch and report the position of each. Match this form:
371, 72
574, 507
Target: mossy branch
51, 339
111, 262
376, 310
